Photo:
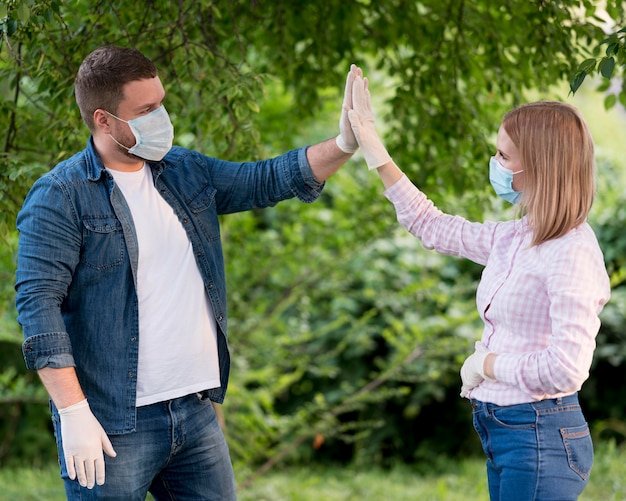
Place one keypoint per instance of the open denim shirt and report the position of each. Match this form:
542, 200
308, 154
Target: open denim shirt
77, 262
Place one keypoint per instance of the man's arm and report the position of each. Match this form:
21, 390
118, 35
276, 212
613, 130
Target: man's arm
62, 385
325, 158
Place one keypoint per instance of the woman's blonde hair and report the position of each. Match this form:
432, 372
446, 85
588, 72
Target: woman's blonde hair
557, 155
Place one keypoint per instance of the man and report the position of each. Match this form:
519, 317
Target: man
121, 291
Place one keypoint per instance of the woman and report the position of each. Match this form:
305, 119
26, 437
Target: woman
542, 289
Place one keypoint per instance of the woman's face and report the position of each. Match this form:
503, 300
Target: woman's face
508, 156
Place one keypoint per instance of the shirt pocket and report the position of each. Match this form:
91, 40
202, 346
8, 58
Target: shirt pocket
203, 209
103, 242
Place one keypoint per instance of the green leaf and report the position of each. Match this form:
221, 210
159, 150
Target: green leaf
609, 39
588, 65
11, 27
612, 49
606, 67
23, 12
577, 81
254, 106
609, 101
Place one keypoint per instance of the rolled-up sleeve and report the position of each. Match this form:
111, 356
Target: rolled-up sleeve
309, 189
52, 349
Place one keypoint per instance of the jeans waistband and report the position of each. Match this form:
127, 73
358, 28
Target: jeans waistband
165, 403
540, 404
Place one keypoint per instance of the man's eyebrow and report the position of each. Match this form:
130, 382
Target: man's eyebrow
145, 106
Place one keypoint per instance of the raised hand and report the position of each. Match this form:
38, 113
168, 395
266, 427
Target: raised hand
346, 140
362, 120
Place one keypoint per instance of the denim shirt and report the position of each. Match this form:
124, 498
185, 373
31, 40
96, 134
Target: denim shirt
77, 262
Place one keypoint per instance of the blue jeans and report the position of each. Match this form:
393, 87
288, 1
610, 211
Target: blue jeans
178, 452
538, 451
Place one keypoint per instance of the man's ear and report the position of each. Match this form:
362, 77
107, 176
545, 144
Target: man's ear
101, 120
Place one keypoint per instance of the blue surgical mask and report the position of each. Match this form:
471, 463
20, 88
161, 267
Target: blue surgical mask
154, 134
502, 181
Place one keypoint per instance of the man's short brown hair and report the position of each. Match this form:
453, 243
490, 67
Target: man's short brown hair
102, 75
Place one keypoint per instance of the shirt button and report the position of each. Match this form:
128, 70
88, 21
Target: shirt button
131, 374
133, 339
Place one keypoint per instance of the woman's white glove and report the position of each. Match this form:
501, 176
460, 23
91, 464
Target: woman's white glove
473, 369
346, 140
362, 120
84, 439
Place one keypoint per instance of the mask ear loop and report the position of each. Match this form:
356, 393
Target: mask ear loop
118, 143
121, 120
115, 116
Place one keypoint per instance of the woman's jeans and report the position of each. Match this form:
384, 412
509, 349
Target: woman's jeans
538, 451
178, 452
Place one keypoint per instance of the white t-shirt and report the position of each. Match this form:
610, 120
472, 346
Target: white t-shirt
177, 327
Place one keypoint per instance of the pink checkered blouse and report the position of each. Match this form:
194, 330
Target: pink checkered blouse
539, 305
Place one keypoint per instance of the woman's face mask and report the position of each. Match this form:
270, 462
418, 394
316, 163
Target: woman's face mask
154, 134
502, 181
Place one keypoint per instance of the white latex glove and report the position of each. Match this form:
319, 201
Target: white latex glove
346, 140
473, 369
362, 120
83, 441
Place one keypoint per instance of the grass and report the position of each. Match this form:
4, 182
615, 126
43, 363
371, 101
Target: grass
463, 479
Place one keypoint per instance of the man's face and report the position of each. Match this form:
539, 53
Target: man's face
140, 98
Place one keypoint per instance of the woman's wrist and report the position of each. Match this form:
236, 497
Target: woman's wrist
489, 365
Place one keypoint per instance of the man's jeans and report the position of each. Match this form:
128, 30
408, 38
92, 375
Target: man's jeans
177, 453
538, 451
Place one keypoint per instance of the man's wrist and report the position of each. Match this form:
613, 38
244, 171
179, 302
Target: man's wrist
344, 146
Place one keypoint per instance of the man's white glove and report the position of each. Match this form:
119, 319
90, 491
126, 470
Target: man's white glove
473, 370
362, 120
346, 140
83, 441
